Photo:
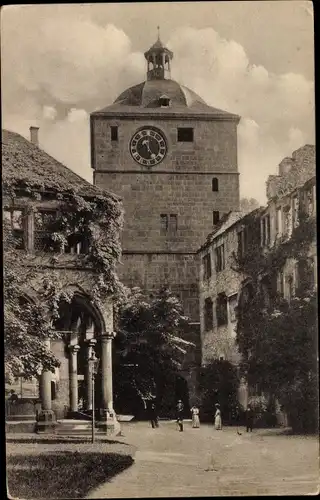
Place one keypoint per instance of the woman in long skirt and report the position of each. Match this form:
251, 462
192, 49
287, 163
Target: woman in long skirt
217, 418
195, 417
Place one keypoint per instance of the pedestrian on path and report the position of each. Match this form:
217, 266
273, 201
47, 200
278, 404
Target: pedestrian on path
217, 418
195, 417
179, 409
249, 419
153, 417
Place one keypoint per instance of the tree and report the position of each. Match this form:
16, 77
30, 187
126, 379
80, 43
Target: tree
27, 325
149, 347
219, 383
278, 338
248, 205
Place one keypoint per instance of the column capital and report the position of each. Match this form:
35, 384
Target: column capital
74, 348
91, 342
107, 336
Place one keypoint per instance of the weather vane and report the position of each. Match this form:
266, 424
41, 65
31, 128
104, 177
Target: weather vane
158, 28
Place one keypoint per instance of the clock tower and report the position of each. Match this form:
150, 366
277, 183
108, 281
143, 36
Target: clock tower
173, 160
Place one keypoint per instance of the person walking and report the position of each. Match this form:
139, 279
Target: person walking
249, 419
153, 417
179, 409
217, 418
195, 417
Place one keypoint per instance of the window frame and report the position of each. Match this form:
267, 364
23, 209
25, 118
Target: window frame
222, 309
173, 224
219, 255
164, 224
215, 217
215, 184
18, 232
114, 129
207, 266
208, 314
182, 134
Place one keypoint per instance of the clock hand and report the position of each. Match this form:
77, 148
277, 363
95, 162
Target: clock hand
146, 142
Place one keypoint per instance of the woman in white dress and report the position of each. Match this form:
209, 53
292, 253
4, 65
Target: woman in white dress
217, 418
195, 417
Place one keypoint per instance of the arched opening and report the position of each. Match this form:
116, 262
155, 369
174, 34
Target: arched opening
80, 324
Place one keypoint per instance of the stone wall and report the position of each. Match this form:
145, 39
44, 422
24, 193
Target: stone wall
220, 341
180, 185
302, 168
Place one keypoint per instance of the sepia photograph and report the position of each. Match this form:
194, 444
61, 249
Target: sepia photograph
160, 315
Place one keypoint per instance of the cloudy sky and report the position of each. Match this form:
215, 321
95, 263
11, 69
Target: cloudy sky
61, 62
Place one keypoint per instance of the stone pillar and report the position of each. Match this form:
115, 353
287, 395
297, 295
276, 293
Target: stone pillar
46, 420
91, 344
163, 60
73, 377
109, 421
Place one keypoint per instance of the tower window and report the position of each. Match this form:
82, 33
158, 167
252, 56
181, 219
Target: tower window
114, 133
215, 217
215, 184
173, 223
163, 224
164, 101
185, 134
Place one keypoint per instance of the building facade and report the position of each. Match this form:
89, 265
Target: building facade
173, 160
221, 285
34, 185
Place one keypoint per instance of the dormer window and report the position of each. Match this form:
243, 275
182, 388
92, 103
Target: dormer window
165, 101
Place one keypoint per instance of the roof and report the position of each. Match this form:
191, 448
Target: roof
226, 222
25, 163
143, 99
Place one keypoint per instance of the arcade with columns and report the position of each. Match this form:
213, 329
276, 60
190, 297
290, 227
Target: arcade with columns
85, 354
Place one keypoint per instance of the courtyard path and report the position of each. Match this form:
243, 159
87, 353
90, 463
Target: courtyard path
205, 462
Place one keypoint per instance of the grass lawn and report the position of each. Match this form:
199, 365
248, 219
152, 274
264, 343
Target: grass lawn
50, 468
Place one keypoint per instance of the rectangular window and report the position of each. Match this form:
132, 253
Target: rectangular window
310, 202
215, 217
43, 226
163, 224
208, 314
219, 258
295, 211
77, 244
185, 134
114, 133
265, 230
279, 221
222, 309
16, 220
173, 223
206, 265
286, 224
233, 303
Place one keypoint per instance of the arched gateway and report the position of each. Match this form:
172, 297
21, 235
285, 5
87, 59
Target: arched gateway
84, 329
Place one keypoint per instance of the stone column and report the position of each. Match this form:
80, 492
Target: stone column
73, 377
46, 420
91, 344
108, 418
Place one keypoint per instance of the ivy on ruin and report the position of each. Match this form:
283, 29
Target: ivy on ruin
98, 218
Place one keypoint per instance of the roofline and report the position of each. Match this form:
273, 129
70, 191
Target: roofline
207, 243
128, 115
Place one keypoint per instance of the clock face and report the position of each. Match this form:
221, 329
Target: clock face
148, 146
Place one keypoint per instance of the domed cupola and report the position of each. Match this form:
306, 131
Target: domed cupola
158, 58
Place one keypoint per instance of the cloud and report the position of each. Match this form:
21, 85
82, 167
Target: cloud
57, 68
